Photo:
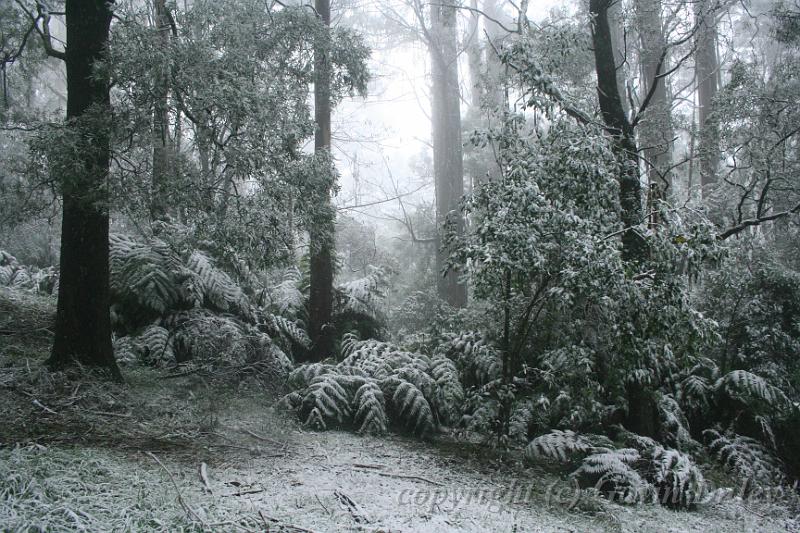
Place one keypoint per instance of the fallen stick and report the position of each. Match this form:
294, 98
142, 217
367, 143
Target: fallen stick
106, 413
183, 503
40, 405
204, 478
267, 519
404, 476
265, 439
243, 493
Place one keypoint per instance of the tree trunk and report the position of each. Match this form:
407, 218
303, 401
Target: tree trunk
706, 72
620, 128
83, 325
655, 130
162, 145
322, 233
447, 147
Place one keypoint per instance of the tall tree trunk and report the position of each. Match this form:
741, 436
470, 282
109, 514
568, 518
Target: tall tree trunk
706, 73
620, 128
655, 130
83, 324
448, 163
162, 144
474, 61
322, 233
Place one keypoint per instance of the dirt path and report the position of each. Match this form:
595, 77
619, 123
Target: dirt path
264, 472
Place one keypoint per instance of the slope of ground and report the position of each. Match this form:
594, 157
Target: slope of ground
192, 453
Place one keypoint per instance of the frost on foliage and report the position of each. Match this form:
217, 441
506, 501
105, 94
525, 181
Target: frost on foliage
563, 446
480, 363
678, 481
674, 424
613, 473
748, 459
375, 386
287, 331
364, 296
25, 278
370, 409
217, 288
749, 389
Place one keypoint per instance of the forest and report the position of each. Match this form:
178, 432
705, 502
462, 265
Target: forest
400, 265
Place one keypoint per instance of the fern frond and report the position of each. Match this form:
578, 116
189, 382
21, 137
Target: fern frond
747, 387
370, 409
364, 296
326, 396
612, 472
350, 342
413, 409
287, 330
678, 481
157, 345
450, 395
218, 289
563, 445
747, 458
674, 424
302, 376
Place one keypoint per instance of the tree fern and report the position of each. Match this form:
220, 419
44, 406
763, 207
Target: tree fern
386, 385
370, 409
563, 446
748, 459
749, 388
325, 400
612, 472
678, 481
219, 291
144, 280
673, 422
450, 392
364, 296
288, 331
156, 345
413, 409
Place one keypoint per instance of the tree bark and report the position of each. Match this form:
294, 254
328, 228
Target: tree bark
706, 72
620, 129
447, 145
83, 325
162, 144
322, 233
655, 130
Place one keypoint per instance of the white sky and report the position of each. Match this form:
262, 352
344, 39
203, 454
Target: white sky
391, 128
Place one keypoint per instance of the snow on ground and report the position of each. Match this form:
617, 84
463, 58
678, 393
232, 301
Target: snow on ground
263, 472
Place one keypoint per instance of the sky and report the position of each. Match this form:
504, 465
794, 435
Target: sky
377, 140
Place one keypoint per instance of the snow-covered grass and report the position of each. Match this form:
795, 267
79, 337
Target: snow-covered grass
192, 453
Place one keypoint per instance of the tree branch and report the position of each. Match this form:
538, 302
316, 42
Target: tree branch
743, 225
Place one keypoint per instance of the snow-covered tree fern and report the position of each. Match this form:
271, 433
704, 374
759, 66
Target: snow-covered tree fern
375, 386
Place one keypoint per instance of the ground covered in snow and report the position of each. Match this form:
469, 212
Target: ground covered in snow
196, 453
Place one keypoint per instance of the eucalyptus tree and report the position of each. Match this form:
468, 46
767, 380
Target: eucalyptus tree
320, 304
448, 165
81, 166
707, 79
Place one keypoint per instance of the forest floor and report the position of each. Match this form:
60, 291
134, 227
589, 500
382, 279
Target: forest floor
189, 453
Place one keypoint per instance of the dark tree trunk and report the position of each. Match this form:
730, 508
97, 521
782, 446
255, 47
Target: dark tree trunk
162, 144
83, 325
448, 163
620, 128
322, 233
